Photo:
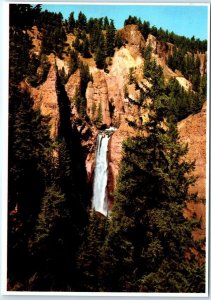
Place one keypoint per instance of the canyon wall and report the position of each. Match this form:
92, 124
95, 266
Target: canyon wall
107, 97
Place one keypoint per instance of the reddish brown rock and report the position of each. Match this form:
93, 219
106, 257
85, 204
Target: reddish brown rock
73, 84
132, 36
97, 98
203, 62
162, 49
193, 131
45, 99
115, 148
71, 87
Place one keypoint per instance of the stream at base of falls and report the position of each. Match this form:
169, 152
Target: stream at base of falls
100, 197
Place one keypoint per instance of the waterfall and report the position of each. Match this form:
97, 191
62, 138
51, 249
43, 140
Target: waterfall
100, 198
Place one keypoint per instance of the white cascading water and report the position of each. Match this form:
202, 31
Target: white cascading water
100, 198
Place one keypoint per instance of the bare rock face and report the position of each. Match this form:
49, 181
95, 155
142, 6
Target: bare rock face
203, 62
45, 99
116, 152
132, 36
123, 61
192, 130
71, 88
115, 98
73, 84
97, 98
162, 49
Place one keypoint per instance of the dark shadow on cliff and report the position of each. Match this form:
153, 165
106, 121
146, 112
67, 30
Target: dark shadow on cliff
72, 180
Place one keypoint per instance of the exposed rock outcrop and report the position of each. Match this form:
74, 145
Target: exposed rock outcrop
97, 98
203, 62
162, 49
192, 130
45, 99
132, 36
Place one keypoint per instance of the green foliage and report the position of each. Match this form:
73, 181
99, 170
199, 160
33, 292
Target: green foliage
53, 33
85, 78
118, 40
110, 38
154, 74
76, 44
148, 231
52, 248
188, 64
105, 23
131, 76
181, 103
64, 77
100, 57
99, 117
73, 62
89, 260
19, 56
24, 15
80, 94
132, 20
38, 76
28, 173
85, 48
71, 22
94, 107
148, 237
80, 103
174, 99
145, 28
146, 52
51, 211
82, 21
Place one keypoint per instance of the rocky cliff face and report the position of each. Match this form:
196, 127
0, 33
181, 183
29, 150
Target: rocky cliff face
192, 130
133, 37
45, 99
162, 49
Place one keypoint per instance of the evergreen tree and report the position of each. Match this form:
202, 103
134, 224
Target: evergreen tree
110, 39
105, 23
74, 62
82, 21
100, 54
29, 166
118, 40
53, 32
24, 15
71, 22
52, 247
89, 260
85, 48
